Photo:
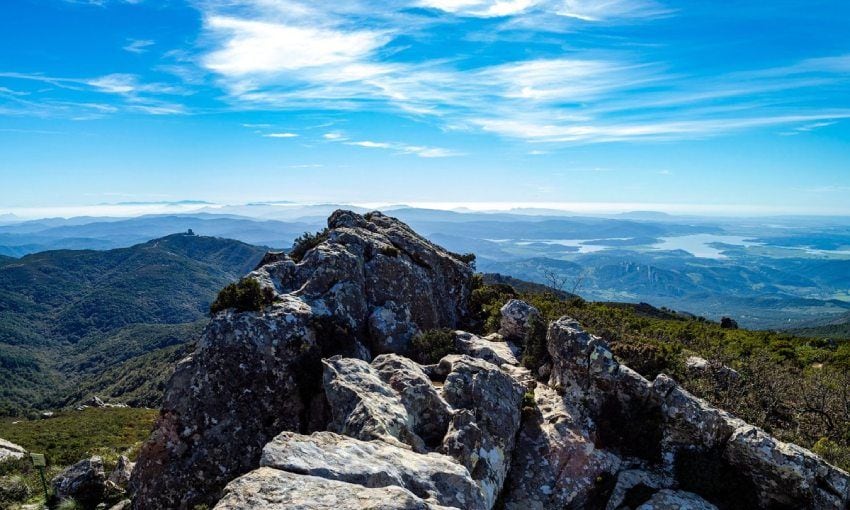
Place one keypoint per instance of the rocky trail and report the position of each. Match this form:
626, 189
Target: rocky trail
312, 403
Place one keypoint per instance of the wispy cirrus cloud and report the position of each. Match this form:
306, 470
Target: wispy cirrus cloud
585, 10
138, 45
396, 147
295, 55
134, 95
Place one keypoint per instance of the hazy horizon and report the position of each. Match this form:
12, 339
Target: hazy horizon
188, 206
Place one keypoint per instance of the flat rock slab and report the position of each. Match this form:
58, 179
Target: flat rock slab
270, 489
497, 353
10, 451
374, 464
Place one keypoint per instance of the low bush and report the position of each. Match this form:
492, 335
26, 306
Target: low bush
306, 242
535, 354
431, 346
243, 296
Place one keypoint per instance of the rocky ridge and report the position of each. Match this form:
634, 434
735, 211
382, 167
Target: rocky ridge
311, 403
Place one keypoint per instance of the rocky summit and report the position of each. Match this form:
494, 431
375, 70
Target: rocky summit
312, 402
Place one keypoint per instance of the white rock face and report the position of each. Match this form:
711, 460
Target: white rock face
374, 464
272, 489
497, 353
9, 451
516, 315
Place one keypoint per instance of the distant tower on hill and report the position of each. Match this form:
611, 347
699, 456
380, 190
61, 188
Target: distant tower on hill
190, 232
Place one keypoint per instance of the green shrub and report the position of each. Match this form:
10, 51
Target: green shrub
535, 353
389, 251
431, 346
13, 489
306, 242
244, 296
833, 452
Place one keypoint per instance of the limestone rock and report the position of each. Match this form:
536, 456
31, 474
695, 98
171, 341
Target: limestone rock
120, 476
516, 315
374, 464
555, 465
364, 406
428, 413
238, 390
271, 489
482, 439
255, 374
784, 474
84, 482
9, 451
497, 353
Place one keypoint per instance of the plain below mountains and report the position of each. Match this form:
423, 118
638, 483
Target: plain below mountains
78, 323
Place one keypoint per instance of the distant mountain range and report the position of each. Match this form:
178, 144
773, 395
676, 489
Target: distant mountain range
70, 321
779, 272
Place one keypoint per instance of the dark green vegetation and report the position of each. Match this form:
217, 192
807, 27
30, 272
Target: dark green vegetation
305, 242
73, 323
837, 329
246, 295
795, 388
431, 346
70, 436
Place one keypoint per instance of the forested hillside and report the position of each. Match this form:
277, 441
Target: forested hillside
67, 317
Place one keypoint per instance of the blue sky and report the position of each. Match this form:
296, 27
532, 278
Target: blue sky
736, 107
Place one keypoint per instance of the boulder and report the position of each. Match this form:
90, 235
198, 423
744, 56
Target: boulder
516, 315
555, 464
374, 464
497, 353
271, 489
785, 475
483, 438
668, 499
428, 413
84, 482
10, 451
120, 476
255, 374
364, 406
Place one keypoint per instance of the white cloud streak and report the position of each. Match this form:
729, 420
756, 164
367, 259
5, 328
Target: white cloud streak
295, 55
138, 45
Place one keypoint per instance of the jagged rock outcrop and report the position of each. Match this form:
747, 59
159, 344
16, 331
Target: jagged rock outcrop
287, 407
556, 464
516, 315
255, 374
677, 441
9, 451
483, 437
84, 482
